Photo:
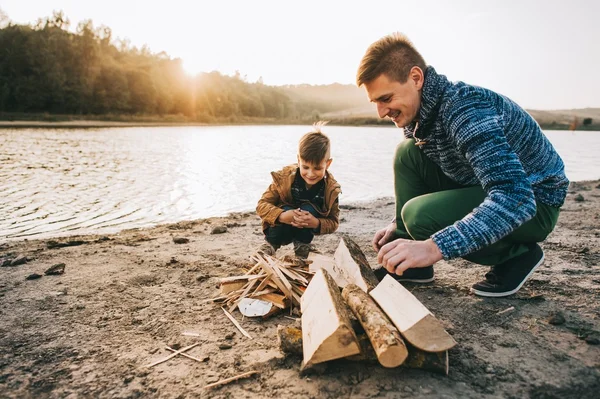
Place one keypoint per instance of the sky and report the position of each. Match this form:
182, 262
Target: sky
542, 54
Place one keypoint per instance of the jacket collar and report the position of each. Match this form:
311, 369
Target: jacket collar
433, 89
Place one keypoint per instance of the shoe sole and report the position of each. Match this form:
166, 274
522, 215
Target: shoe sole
419, 281
507, 293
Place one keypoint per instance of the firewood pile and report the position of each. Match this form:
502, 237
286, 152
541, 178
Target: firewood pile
346, 311
279, 282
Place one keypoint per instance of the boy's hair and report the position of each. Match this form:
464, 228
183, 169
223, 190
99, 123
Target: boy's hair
393, 55
314, 147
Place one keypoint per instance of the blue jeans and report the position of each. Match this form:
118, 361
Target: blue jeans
283, 234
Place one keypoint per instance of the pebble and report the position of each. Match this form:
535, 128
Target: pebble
180, 240
556, 319
33, 276
19, 260
579, 198
225, 346
219, 230
592, 340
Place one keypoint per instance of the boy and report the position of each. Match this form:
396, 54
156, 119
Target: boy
302, 200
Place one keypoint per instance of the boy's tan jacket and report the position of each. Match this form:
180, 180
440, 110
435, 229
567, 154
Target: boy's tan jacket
279, 193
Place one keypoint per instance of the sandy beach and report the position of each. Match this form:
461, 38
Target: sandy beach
91, 331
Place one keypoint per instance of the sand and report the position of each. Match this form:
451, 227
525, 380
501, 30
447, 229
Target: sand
91, 331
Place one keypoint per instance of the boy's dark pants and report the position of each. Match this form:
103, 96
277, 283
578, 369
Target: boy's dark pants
283, 234
427, 201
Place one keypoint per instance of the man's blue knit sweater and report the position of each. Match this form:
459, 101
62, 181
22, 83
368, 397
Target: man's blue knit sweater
479, 137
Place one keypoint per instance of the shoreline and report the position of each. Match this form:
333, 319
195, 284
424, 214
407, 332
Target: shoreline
123, 297
84, 124
235, 215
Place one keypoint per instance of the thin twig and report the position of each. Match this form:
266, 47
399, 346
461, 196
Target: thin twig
185, 354
235, 323
231, 379
173, 355
506, 310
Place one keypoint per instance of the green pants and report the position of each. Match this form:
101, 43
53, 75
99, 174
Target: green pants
427, 201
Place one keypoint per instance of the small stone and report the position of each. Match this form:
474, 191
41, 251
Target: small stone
55, 270
556, 319
19, 260
128, 379
230, 336
180, 240
219, 230
579, 198
408, 389
489, 370
225, 346
33, 276
592, 340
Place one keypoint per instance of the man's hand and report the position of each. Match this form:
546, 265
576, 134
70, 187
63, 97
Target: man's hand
401, 254
304, 220
383, 236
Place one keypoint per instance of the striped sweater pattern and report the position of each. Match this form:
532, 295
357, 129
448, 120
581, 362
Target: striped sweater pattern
479, 137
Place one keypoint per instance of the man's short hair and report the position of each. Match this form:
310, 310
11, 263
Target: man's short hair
314, 147
393, 55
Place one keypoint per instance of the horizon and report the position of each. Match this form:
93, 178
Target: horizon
467, 41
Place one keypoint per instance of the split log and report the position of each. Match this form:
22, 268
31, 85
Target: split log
384, 336
415, 322
351, 262
290, 342
326, 330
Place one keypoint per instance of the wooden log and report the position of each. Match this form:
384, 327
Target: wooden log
352, 263
414, 321
319, 261
326, 330
290, 342
384, 336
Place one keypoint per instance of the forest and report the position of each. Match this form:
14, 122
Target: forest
49, 72
46, 69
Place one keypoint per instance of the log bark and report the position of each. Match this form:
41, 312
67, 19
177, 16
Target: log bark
290, 343
384, 336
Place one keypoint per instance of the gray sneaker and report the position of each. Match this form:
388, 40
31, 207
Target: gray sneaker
267, 249
301, 250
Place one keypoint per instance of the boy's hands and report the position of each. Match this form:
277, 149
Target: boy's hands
304, 220
299, 218
286, 217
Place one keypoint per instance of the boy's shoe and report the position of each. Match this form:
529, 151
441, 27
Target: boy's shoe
301, 250
267, 249
508, 277
419, 275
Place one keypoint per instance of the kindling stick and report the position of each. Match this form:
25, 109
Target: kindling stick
173, 354
185, 354
235, 323
231, 379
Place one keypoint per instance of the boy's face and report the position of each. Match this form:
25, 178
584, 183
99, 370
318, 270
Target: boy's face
312, 174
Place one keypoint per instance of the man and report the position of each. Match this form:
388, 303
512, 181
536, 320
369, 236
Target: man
475, 178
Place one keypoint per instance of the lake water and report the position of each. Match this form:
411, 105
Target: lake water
56, 182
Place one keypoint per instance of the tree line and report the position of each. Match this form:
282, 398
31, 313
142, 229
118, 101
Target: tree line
45, 68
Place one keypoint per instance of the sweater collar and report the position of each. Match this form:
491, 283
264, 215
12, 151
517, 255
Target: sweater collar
431, 94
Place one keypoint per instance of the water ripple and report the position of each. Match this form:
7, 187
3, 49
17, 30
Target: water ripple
60, 182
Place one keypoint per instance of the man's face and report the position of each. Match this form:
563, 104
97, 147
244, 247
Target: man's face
398, 101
